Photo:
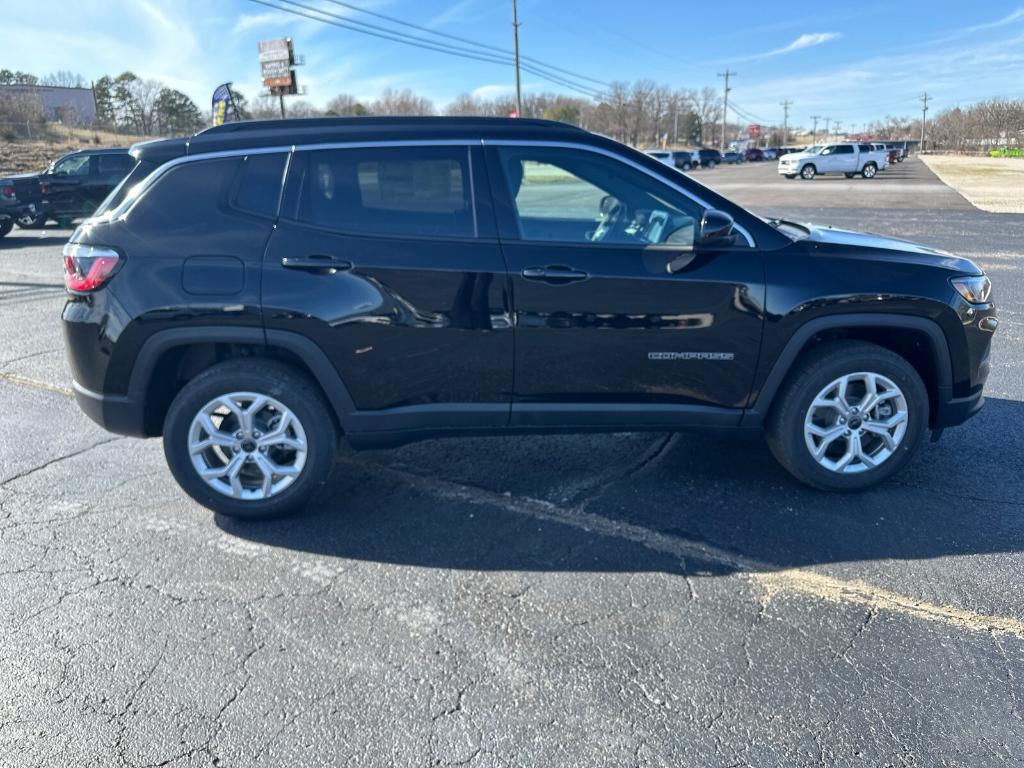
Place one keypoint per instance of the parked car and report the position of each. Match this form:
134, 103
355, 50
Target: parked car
271, 287
709, 158
732, 158
19, 196
753, 155
662, 155
75, 184
847, 158
770, 153
684, 160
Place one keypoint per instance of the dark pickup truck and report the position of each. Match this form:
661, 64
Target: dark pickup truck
19, 198
72, 187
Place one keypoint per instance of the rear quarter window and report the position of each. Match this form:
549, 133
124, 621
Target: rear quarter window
187, 196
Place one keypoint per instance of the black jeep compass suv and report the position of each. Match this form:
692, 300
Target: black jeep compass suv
260, 290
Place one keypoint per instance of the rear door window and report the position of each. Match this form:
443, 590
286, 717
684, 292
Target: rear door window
403, 191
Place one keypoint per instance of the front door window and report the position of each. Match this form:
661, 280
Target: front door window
576, 196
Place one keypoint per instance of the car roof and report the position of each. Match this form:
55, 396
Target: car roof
325, 130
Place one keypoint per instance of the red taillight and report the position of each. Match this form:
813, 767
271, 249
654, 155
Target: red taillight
87, 267
7, 191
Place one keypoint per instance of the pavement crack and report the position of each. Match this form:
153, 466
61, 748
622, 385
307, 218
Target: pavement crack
63, 457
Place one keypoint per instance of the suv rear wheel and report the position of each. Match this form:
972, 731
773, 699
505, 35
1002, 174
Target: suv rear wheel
851, 415
250, 438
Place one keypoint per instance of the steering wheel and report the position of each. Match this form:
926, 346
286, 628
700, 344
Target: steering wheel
613, 212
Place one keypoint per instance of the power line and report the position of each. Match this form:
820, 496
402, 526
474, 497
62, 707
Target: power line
457, 38
401, 37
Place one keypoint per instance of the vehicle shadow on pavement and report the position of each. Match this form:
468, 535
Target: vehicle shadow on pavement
14, 240
656, 503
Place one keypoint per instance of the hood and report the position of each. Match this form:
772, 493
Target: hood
879, 247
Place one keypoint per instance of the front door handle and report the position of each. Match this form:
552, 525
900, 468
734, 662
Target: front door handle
317, 263
555, 274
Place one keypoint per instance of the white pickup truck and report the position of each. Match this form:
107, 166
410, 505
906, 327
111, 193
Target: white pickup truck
848, 158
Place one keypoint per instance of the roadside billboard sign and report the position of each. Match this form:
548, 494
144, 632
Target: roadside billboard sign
276, 50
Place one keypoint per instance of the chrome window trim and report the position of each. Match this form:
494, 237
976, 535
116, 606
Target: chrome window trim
126, 205
608, 153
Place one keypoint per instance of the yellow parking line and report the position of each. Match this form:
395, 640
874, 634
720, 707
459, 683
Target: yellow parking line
24, 381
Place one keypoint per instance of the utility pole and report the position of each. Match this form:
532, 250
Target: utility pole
924, 116
836, 128
519, 83
725, 106
785, 120
827, 121
814, 131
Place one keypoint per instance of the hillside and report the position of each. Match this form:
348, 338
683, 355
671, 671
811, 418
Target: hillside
26, 156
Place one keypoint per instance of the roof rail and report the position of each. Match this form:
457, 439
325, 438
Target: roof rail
342, 122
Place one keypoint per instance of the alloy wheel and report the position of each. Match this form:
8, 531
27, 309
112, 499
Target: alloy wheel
856, 422
247, 445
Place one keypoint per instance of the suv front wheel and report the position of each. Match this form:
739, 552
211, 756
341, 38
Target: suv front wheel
250, 438
851, 415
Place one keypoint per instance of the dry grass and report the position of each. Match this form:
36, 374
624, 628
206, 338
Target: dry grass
990, 183
27, 156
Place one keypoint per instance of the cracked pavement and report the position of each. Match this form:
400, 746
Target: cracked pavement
611, 600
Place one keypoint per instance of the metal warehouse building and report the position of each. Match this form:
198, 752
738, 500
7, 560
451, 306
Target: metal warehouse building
76, 106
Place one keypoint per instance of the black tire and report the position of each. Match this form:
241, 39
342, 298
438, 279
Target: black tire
711, 164
849, 175
790, 175
808, 172
687, 166
869, 170
292, 389
6, 226
28, 221
814, 371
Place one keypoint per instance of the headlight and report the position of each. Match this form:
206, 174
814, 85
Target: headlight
975, 289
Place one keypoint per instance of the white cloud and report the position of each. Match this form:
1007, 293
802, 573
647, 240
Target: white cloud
256, 20
493, 91
804, 41
453, 14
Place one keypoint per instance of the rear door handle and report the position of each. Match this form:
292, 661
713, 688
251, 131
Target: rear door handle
555, 274
317, 263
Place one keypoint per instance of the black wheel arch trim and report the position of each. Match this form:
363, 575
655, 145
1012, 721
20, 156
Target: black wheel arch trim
304, 348
798, 341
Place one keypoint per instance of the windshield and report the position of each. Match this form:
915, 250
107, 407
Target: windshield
814, 149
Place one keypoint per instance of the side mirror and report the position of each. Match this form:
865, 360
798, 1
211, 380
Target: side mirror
716, 228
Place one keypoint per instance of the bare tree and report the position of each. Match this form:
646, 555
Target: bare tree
345, 105
404, 102
64, 78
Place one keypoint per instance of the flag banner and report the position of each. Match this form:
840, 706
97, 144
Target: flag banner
223, 106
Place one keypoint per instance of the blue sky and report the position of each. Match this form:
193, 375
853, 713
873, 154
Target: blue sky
855, 63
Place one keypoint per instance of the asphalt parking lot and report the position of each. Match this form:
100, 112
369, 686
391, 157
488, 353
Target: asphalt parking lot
615, 600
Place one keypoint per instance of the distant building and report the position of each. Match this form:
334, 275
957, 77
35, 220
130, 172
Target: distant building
74, 106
